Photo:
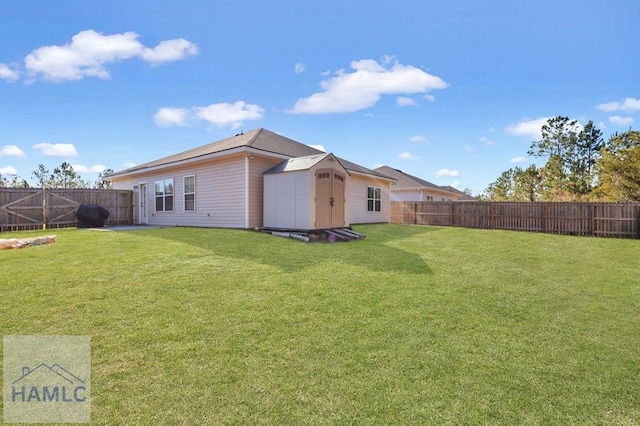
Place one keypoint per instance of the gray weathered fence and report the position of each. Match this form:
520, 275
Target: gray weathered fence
29, 208
596, 219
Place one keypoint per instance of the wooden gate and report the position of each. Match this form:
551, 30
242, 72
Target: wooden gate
33, 208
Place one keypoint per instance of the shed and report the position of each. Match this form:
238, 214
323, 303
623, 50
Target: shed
306, 193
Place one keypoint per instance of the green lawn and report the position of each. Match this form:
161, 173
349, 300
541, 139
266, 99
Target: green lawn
414, 325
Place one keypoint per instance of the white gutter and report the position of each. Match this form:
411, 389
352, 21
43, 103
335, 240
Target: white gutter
353, 172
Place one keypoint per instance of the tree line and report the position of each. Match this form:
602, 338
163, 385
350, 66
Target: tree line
579, 166
62, 176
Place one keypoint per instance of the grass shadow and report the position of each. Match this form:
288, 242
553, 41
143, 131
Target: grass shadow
289, 255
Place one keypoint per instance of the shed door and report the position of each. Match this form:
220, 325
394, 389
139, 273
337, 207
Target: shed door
337, 190
329, 198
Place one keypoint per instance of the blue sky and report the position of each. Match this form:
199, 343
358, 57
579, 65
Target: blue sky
451, 91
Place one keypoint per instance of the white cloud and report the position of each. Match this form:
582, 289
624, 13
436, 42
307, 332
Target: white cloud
129, 165
517, 160
11, 151
299, 68
375, 166
226, 114
98, 168
9, 170
8, 74
447, 173
169, 51
408, 156
166, 117
488, 141
469, 148
627, 105
56, 149
418, 139
222, 114
529, 128
318, 147
429, 97
455, 184
363, 88
89, 52
621, 121
405, 101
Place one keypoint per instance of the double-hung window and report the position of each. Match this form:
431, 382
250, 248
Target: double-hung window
374, 198
189, 193
164, 195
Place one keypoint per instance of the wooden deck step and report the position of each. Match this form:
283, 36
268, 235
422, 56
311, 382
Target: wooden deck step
345, 234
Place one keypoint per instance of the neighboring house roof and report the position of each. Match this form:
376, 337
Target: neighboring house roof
463, 195
258, 139
407, 181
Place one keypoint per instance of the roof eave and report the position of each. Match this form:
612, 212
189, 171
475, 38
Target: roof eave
354, 172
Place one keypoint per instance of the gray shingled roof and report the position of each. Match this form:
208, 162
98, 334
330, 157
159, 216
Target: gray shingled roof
464, 196
260, 139
405, 180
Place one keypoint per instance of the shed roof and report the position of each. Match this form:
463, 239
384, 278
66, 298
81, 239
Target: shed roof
298, 163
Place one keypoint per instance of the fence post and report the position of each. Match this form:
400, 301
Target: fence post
451, 218
44, 208
638, 220
415, 213
491, 221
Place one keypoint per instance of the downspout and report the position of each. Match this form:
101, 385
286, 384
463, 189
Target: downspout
246, 190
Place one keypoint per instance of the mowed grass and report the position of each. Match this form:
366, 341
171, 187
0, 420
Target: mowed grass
414, 325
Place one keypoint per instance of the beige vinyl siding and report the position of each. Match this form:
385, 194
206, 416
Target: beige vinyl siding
257, 166
219, 198
357, 197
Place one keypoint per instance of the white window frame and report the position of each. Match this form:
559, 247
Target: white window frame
373, 201
185, 193
164, 195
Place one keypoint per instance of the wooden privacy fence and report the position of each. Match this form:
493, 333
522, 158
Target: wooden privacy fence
596, 219
28, 208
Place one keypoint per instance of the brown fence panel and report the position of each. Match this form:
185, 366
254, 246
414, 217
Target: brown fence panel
22, 209
597, 219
